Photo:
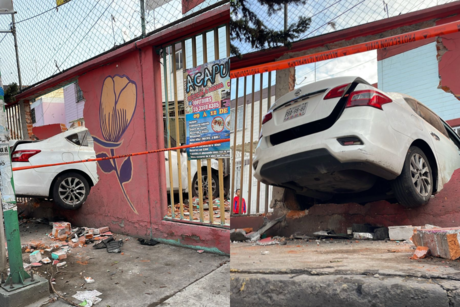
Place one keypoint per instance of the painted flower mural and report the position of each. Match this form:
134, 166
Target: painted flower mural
116, 111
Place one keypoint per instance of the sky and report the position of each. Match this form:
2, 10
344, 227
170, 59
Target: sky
334, 15
51, 40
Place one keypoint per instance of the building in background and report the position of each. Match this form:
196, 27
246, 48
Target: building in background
421, 69
74, 104
247, 143
48, 109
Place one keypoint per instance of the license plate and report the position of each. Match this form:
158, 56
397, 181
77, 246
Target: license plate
295, 112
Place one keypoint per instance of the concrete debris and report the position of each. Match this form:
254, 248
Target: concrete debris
267, 241
442, 242
400, 233
89, 280
255, 236
59, 255
420, 253
36, 256
363, 236
264, 253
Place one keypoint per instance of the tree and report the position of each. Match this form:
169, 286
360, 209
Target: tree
10, 92
246, 26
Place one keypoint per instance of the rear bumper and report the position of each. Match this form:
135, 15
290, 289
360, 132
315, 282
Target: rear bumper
310, 163
321, 153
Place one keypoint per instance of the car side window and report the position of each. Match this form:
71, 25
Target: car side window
432, 119
413, 104
73, 138
79, 138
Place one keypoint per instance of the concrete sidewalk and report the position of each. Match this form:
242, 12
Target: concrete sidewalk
340, 273
140, 276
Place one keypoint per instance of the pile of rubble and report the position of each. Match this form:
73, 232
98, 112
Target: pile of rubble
67, 239
196, 208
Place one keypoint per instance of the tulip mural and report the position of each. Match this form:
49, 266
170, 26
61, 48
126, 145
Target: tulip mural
116, 111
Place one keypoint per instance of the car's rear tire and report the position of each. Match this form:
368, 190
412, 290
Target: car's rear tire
414, 186
70, 190
214, 182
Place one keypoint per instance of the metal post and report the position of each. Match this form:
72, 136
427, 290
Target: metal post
17, 54
285, 17
3, 269
143, 17
17, 272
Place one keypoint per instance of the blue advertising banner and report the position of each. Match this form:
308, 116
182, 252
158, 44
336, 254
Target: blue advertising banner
207, 108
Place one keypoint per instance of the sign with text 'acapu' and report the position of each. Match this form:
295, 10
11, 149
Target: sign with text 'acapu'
207, 108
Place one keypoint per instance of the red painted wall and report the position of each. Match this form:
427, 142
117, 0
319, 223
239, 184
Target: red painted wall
131, 194
449, 65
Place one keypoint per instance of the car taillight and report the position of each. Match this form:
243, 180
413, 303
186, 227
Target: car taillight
367, 98
23, 155
337, 92
267, 117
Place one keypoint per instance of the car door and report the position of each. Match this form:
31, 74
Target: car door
446, 150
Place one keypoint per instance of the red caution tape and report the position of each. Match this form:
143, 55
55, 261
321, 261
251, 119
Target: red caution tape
418, 35
123, 156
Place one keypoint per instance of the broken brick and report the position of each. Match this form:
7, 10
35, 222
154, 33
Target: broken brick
442, 242
59, 255
420, 253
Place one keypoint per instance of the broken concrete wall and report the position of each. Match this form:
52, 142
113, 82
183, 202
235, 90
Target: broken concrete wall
448, 47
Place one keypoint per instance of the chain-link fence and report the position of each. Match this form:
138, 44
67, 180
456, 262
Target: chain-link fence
334, 15
52, 39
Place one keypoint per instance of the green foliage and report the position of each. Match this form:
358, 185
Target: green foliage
246, 26
10, 92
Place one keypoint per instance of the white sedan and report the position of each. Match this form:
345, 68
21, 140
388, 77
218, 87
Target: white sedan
68, 185
341, 140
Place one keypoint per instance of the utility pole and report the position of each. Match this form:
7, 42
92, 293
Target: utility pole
8, 200
285, 17
142, 17
13, 30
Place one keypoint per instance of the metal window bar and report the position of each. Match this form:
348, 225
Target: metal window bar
243, 142
201, 45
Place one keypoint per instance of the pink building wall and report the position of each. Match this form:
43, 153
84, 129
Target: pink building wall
39, 120
73, 108
53, 113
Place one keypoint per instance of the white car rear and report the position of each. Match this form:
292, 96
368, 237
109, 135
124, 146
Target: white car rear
68, 185
193, 173
341, 139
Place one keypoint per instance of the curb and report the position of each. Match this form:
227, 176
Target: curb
341, 290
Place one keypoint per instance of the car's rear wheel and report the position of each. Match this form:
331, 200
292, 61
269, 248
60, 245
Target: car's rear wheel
204, 183
414, 187
70, 190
